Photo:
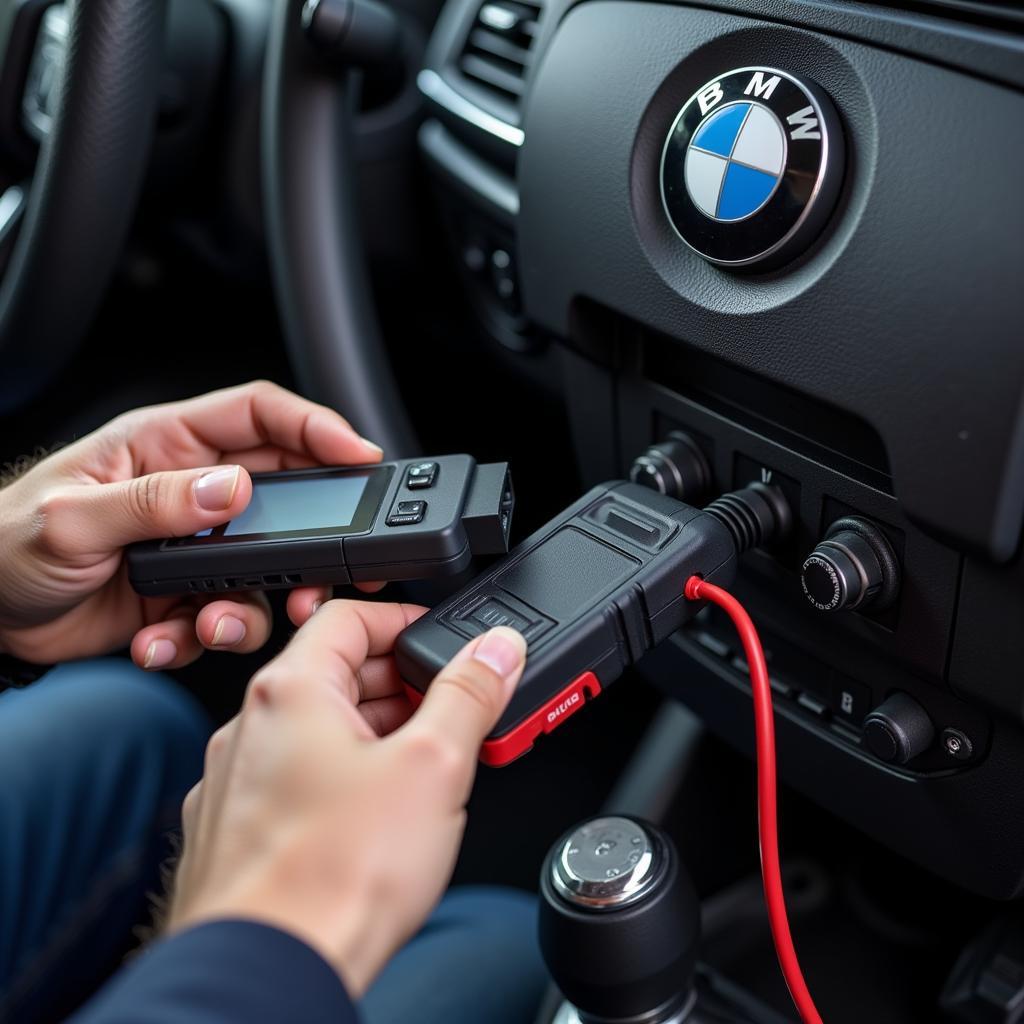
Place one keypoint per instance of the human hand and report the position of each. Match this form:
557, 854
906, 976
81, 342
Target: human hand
167, 470
325, 809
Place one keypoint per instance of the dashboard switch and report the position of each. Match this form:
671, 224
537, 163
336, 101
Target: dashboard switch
852, 567
675, 467
898, 730
851, 700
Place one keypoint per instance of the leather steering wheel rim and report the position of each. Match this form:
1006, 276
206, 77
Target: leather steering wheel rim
84, 191
317, 255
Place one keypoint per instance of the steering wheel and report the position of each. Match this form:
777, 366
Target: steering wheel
311, 213
83, 77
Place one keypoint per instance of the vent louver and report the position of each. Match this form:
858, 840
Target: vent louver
496, 56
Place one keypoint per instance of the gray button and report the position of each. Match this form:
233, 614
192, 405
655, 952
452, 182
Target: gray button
496, 613
421, 475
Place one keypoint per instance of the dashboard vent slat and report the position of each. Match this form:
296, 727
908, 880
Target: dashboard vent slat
486, 42
496, 55
491, 73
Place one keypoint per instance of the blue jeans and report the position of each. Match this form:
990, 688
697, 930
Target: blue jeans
476, 961
95, 759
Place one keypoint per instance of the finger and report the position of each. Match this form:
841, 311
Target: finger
352, 631
190, 808
170, 643
260, 413
371, 588
379, 678
219, 747
331, 648
467, 697
386, 715
269, 458
241, 624
104, 517
304, 601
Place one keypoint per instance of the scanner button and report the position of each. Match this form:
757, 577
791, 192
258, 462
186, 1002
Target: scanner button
404, 520
632, 528
407, 513
494, 613
421, 475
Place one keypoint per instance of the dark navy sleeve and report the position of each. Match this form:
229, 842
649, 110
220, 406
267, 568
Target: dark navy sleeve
225, 971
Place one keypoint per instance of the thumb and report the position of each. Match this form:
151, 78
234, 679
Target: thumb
468, 696
168, 504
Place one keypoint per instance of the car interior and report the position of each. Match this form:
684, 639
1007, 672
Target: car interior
484, 227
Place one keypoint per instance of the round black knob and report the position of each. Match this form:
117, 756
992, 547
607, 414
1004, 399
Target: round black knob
619, 921
362, 33
852, 567
675, 467
898, 730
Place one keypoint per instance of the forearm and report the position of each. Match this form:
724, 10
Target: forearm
225, 971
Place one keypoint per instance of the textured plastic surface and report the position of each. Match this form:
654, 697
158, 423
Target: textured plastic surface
587, 595
912, 285
962, 826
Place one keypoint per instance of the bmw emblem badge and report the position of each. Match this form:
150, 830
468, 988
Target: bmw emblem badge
752, 167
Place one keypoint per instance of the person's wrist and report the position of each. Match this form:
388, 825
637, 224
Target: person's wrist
343, 924
11, 530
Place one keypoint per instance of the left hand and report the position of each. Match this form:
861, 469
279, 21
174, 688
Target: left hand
64, 590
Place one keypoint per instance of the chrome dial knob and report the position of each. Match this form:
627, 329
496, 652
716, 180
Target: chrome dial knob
619, 922
607, 863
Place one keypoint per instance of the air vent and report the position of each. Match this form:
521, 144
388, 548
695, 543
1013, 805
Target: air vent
497, 51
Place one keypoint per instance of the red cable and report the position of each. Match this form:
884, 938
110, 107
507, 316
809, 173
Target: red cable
768, 829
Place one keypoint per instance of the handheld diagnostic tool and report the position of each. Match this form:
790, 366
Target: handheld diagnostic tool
592, 591
414, 519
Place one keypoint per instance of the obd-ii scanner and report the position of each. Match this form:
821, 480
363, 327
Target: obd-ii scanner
592, 591
409, 520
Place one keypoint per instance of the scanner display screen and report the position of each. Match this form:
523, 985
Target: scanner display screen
284, 506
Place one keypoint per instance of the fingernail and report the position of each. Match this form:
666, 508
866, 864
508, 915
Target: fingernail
369, 444
215, 491
229, 631
502, 649
315, 608
160, 653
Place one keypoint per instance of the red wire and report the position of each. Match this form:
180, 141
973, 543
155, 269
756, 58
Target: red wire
768, 829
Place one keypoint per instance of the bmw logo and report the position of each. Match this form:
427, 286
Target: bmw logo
752, 167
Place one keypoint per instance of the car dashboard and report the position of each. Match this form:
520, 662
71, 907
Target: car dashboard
872, 368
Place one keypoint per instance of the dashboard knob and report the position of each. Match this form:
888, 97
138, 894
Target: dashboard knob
675, 467
362, 33
898, 730
852, 567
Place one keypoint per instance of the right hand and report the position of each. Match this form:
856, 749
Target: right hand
325, 808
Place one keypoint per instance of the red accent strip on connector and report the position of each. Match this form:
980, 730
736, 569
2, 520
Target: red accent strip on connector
501, 750
768, 827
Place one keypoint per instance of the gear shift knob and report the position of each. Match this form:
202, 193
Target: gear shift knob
620, 923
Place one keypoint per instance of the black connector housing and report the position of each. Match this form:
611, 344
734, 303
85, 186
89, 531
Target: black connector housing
592, 592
